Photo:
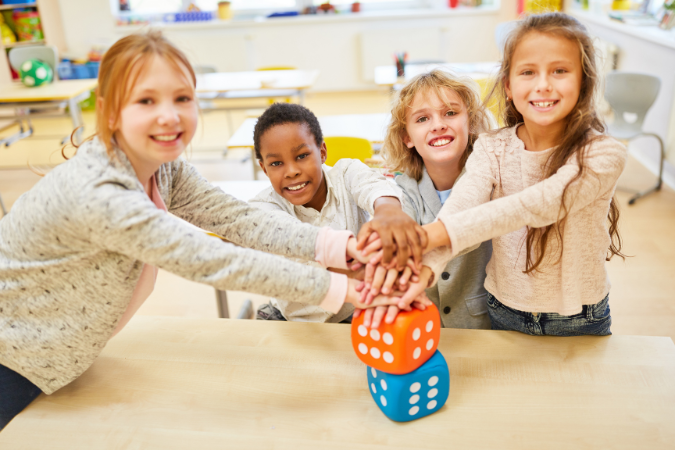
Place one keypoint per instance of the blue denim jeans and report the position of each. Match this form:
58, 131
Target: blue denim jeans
592, 320
16, 392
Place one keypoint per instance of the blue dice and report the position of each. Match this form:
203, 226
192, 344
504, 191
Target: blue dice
413, 395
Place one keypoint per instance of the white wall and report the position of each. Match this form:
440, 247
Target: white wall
331, 45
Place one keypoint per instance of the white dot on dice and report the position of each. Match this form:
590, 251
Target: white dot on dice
362, 330
416, 334
432, 404
374, 352
433, 380
414, 399
417, 352
374, 372
375, 335
27, 66
372, 385
383, 400
41, 73
388, 338
414, 410
432, 393
415, 387
29, 81
388, 357
430, 343
383, 384
363, 348
430, 325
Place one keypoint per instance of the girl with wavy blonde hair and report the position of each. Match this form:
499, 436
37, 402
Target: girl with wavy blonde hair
436, 119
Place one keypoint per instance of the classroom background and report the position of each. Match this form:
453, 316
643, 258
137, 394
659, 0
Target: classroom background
345, 61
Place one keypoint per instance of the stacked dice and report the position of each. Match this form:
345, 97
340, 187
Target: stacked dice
407, 376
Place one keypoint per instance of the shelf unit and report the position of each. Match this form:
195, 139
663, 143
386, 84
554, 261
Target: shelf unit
52, 29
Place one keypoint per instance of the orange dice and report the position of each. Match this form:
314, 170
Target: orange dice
402, 346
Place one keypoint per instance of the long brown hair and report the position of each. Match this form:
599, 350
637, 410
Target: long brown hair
583, 126
407, 160
120, 68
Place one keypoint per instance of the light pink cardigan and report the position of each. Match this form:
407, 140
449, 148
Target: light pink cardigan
503, 192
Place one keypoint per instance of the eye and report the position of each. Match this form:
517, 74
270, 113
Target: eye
275, 164
560, 71
184, 99
451, 113
145, 101
527, 72
422, 119
303, 156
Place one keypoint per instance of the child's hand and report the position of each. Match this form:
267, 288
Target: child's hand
400, 299
372, 317
398, 232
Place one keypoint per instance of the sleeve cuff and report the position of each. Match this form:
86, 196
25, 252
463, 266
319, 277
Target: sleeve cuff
379, 193
331, 248
436, 260
337, 293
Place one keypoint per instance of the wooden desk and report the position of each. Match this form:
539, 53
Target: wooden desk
372, 127
23, 99
172, 383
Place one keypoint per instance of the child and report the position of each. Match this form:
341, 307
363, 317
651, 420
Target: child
435, 121
78, 253
541, 188
290, 150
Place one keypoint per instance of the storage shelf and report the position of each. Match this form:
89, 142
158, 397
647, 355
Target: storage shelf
18, 5
25, 43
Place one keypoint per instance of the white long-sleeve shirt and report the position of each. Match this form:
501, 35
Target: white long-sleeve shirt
504, 191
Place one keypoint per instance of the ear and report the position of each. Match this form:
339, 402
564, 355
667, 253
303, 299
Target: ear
324, 152
407, 141
262, 166
507, 87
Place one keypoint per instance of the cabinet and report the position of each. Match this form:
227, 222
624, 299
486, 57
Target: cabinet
52, 30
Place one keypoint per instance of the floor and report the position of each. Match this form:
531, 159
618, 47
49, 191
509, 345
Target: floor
643, 286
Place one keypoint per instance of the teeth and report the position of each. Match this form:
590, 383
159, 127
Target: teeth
440, 142
543, 104
166, 137
298, 187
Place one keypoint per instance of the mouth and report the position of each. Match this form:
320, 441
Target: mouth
297, 187
544, 103
441, 141
166, 138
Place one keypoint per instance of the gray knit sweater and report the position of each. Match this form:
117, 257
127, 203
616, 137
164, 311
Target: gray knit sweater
72, 249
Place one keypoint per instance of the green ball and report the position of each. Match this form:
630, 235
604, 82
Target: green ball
34, 72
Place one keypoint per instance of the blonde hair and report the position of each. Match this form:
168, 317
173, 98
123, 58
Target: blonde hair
120, 67
583, 125
407, 160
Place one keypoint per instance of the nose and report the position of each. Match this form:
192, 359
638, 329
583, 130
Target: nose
292, 169
438, 124
168, 114
543, 83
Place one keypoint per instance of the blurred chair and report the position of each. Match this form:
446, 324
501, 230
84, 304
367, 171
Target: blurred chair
347, 147
45, 53
630, 95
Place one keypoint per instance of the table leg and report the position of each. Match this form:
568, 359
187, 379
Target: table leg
76, 117
221, 303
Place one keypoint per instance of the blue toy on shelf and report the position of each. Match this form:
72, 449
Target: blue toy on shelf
413, 395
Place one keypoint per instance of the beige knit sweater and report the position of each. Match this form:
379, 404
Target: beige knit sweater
503, 192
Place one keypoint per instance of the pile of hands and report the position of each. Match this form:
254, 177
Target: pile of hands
387, 271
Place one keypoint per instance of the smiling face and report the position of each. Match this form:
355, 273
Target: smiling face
292, 161
438, 128
159, 117
545, 80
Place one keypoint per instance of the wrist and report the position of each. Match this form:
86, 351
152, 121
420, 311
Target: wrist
437, 235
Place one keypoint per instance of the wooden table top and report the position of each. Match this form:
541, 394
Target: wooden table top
58, 90
254, 80
173, 383
372, 127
